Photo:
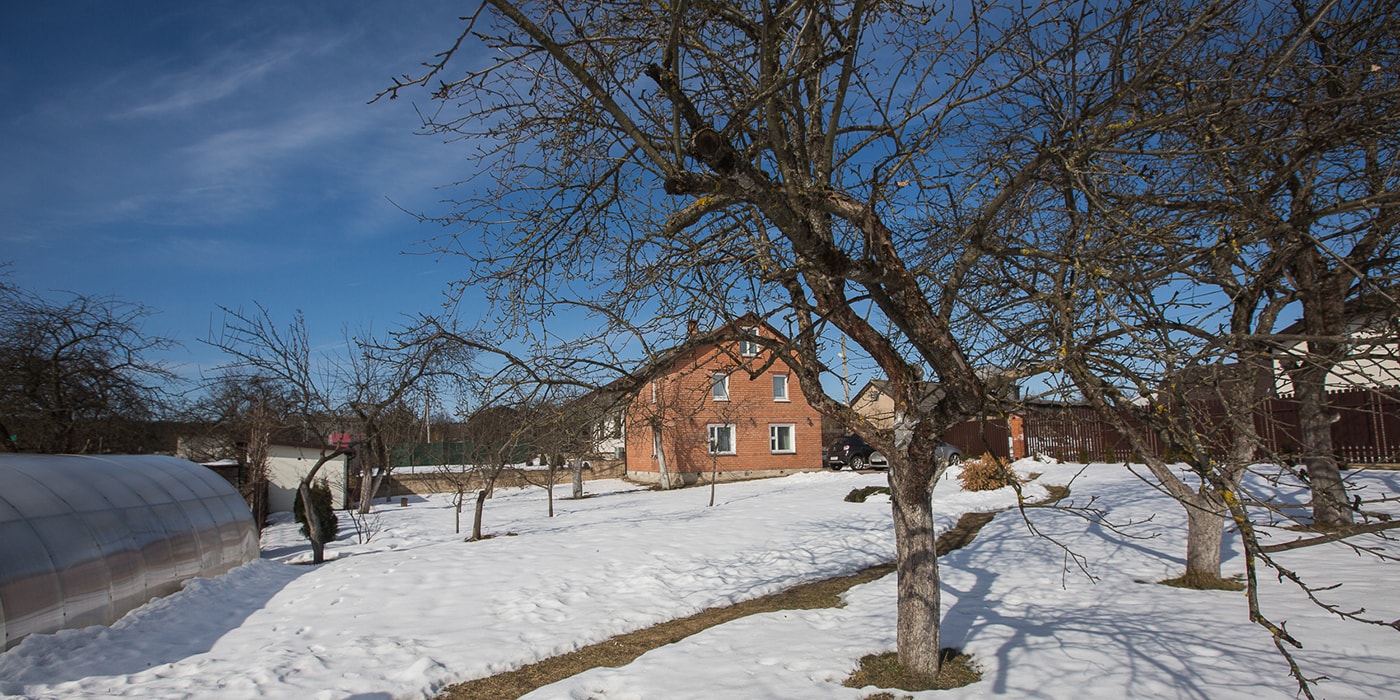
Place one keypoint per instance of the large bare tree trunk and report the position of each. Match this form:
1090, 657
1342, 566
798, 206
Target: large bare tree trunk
1329, 494
370, 485
488, 488
313, 521
1323, 293
1207, 512
919, 605
1205, 533
476, 519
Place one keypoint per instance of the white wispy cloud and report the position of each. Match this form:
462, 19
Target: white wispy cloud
227, 74
210, 83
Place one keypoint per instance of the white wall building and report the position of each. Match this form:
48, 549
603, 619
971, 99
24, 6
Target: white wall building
288, 464
1372, 362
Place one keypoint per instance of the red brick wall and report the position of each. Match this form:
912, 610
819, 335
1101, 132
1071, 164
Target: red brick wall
684, 408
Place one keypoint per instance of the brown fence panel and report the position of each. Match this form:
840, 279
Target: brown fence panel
976, 437
1075, 434
1367, 430
1278, 427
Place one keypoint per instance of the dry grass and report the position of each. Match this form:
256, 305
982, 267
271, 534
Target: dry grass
885, 671
1057, 494
859, 495
624, 648
1201, 582
986, 473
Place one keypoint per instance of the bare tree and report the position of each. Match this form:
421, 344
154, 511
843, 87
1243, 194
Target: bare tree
355, 394
241, 415
665, 409
1315, 175
552, 436
1180, 228
720, 159
730, 412
499, 437
78, 375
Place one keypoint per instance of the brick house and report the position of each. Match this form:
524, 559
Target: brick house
723, 405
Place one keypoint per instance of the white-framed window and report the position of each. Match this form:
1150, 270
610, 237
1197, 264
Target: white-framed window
719, 387
780, 439
653, 391
780, 387
748, 346
721, 438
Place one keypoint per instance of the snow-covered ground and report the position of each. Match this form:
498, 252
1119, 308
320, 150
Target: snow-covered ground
417, 608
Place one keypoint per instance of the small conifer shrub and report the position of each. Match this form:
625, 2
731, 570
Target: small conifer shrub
323, 503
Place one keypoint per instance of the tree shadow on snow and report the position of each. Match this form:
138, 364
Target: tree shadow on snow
164, 631
1077, 633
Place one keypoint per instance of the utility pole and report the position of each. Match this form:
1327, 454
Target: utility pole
845, 383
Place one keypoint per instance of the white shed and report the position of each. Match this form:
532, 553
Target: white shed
287, 464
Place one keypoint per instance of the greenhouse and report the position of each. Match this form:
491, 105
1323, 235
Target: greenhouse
85, 539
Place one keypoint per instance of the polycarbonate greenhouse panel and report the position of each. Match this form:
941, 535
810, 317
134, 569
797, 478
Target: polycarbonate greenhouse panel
85, 539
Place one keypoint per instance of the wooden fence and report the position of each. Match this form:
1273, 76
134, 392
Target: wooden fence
1367, 430
1076, 434
975, 437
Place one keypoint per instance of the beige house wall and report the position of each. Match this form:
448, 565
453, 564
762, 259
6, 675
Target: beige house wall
875, 405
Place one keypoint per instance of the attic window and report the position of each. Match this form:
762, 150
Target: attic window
719, 387
748, 345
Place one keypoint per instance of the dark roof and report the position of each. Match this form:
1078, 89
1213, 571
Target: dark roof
1373, 306
631, 383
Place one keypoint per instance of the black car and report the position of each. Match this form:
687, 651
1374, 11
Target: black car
854, 452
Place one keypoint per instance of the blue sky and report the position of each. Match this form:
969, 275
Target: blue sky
187, 155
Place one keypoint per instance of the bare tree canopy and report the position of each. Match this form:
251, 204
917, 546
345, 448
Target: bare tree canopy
79, 374
363, 391
919, 180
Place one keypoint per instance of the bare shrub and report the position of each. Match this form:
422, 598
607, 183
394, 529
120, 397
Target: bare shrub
986, 473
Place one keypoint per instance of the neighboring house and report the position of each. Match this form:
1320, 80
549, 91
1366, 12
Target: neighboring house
722, 405
288, 463
875, 402
611, 438
1373, 334
1001, 436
